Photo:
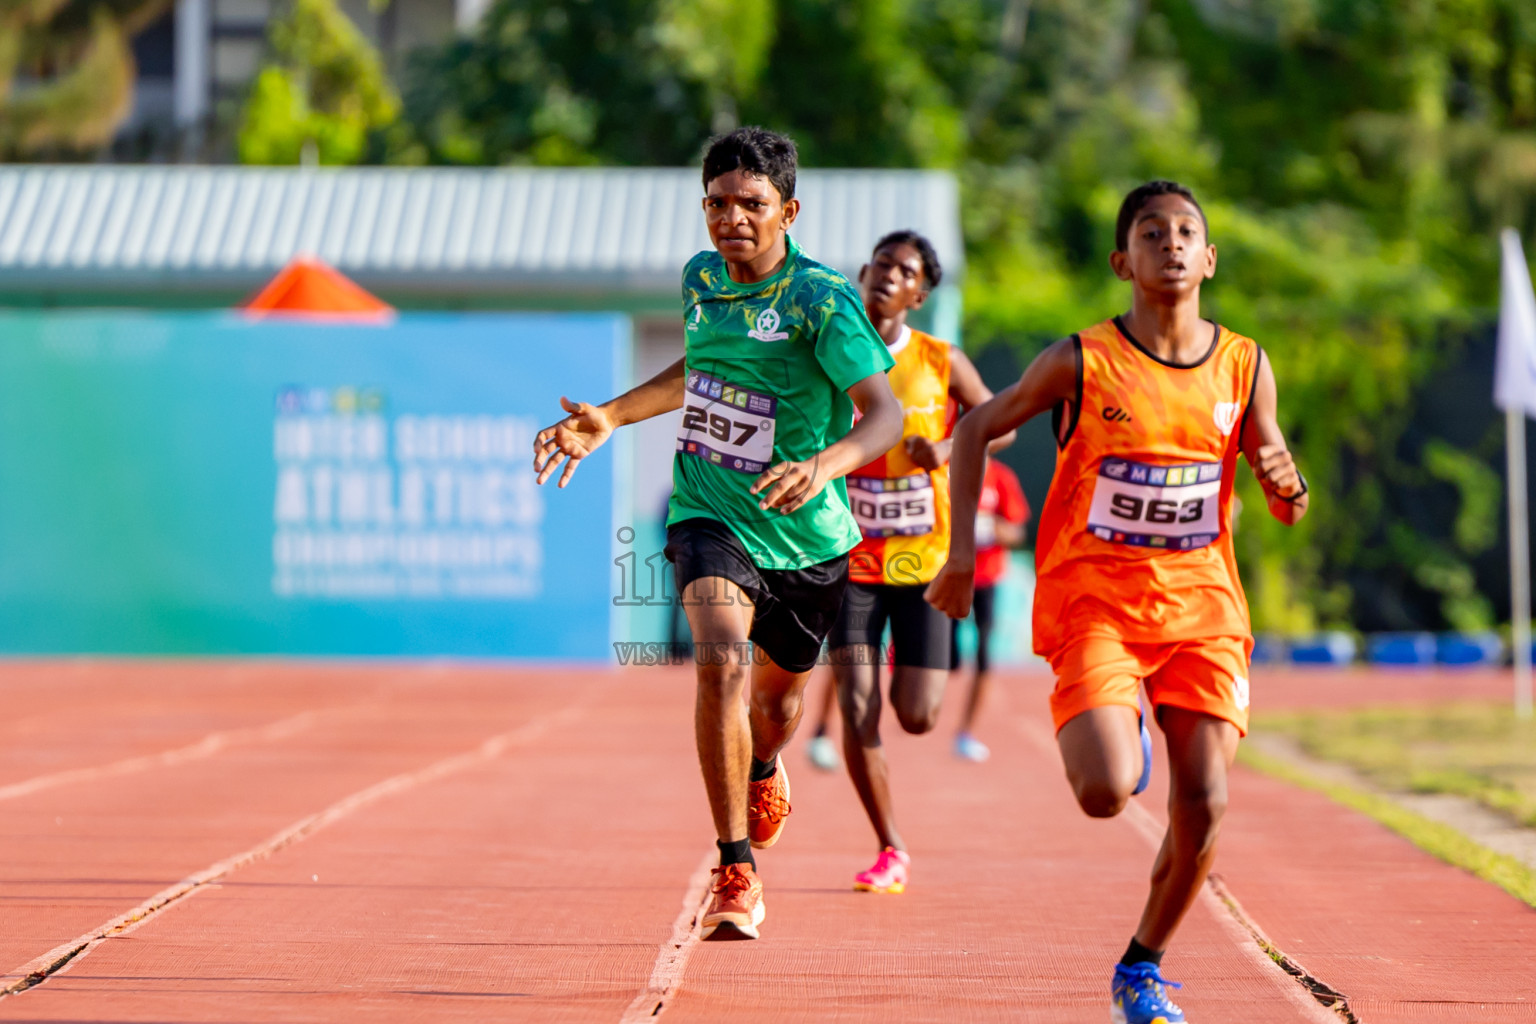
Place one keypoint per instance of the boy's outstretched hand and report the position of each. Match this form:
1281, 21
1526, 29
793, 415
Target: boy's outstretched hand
952, 590
571, 440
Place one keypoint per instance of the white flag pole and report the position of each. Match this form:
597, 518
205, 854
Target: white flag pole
1514, 391
1519, 560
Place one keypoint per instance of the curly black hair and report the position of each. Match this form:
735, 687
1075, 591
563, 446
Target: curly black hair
757, 150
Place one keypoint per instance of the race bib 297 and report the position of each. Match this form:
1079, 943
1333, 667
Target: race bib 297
728, 425
1175, 508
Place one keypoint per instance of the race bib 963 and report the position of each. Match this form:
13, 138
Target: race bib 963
1176, 508
725, 424
898, 507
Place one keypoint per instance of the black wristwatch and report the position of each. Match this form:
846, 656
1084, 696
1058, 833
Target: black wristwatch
1294, 498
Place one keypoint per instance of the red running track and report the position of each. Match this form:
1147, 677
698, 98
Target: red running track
428, 843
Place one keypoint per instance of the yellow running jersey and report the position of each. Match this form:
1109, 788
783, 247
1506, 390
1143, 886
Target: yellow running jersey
902, 509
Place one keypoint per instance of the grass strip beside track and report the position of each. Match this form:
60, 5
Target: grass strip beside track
1432, 837
1473, 749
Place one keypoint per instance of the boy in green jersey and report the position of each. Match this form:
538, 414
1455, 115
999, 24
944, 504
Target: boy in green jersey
778, 353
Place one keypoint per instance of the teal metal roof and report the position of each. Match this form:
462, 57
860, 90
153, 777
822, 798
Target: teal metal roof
418, 231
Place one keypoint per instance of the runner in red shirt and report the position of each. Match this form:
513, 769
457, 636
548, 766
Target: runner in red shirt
1000, 518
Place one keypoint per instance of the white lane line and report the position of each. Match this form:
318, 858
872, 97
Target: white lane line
672, 957
1151, 830
206, 747
38, 970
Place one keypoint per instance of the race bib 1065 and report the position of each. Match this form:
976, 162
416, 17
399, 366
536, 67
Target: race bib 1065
725, 424
1176, 508
898, 507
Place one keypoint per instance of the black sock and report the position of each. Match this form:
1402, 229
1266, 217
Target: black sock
1139, 954
763, 769
738, 852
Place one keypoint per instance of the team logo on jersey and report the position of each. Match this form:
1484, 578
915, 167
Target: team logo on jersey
697, 318
1226, 417
768, 327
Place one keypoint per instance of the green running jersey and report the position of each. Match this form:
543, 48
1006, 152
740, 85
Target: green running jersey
768, 367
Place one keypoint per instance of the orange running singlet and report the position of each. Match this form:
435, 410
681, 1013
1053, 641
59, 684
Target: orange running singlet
902, 509
1135, 537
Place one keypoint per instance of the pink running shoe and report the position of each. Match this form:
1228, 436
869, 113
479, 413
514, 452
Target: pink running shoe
888, 875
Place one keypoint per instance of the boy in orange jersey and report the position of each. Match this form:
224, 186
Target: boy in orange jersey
901, 502
1136, 578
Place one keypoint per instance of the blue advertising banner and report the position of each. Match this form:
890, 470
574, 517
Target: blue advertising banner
204, 483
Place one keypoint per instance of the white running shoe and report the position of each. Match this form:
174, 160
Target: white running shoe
823, 753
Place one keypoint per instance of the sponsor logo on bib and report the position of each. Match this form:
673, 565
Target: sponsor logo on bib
768, 326
1226, 417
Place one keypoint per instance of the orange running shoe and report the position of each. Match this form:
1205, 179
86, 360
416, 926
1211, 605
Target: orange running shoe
767, 807
736, 908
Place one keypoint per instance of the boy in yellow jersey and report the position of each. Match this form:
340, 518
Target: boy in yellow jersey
1136, 578
777, 355
901, 501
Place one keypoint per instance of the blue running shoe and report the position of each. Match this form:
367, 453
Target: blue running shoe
1146, 751
1137, 996
969, 748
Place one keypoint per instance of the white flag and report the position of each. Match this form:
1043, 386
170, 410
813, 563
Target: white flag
1514, 370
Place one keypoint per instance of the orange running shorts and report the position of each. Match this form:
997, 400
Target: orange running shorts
1209, 675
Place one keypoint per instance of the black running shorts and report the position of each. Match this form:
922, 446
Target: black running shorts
792, 608
981, 607
919, 631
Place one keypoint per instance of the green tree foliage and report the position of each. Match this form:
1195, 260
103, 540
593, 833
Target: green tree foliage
1355, 157
66, 73
554, 82
646, 81
325, 88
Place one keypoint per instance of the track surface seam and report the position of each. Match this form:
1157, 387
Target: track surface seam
40, 969
672, 958
1326, 995
209, 745
1224, 907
